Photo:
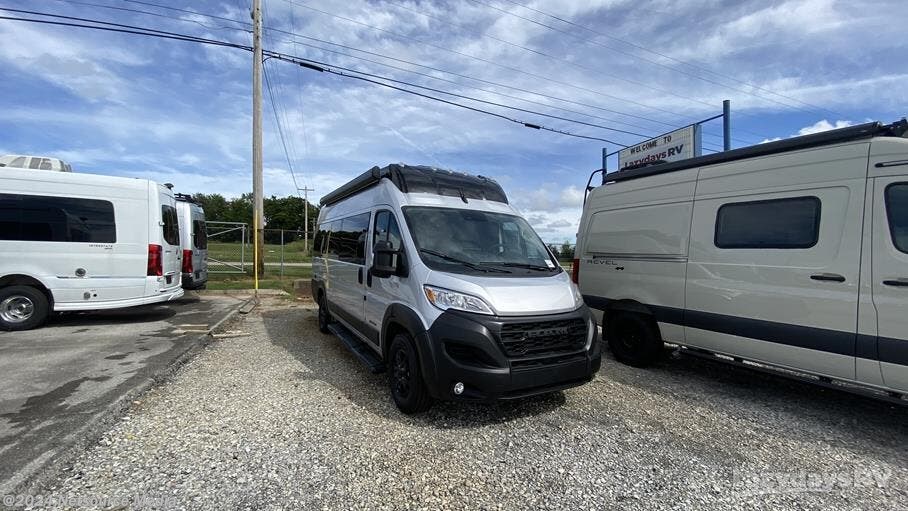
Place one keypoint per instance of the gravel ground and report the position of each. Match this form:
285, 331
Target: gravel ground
285, 418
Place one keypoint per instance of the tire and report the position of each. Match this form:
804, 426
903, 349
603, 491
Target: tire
22, 308
324, 317
408, 390
634, 339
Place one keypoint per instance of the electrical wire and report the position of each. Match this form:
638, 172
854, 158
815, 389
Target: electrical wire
669, 57
484, 60
280, 130
297, 60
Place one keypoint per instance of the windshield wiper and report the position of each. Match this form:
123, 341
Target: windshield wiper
528, 266
468, 264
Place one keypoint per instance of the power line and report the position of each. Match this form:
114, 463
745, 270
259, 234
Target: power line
297, 60
280, 130
596, 43
669, 57
149, 13
480, 59
468, 77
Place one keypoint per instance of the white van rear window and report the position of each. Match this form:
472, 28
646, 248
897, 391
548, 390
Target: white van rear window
897, 209
171, 225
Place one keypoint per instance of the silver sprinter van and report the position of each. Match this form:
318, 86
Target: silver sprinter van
791, 254
433, 275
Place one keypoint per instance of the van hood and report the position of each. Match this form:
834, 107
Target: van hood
514, 296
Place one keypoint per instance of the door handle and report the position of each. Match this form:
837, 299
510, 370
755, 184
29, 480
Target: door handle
369, 277
359, 275
896, 283
828, 277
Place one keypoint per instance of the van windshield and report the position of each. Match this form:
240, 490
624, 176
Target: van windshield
478, 242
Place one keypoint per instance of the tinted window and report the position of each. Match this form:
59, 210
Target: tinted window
62, 219
171, 225
897, 210
780, 223
46, 164
318, 242
386, 229
347, 239
199, 234
18, 162
34, 163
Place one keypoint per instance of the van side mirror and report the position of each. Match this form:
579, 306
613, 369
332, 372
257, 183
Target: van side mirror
387, 261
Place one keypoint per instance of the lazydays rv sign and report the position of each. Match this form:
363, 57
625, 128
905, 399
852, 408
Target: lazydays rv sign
677, 145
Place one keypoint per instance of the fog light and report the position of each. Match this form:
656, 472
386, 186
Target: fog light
458, 388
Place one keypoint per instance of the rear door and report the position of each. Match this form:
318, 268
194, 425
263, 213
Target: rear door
199, 244
890, 277
170, 239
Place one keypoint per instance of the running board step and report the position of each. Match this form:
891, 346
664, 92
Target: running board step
361, 350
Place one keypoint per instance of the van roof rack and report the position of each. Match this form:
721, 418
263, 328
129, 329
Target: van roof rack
421, 179
184, 197
861, 131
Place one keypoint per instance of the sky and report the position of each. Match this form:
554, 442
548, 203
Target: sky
181, 112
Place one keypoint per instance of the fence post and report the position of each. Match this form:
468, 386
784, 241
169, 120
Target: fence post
282, 253
243, 249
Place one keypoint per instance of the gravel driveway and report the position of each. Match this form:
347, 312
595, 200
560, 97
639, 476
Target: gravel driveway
285, 418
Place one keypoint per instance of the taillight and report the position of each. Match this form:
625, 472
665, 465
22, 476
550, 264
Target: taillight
575, 271
187, 261
155, 261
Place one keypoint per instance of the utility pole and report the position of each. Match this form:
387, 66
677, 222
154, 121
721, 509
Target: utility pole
306, 191
258, 210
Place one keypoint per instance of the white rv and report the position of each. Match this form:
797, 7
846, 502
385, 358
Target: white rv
71, 242
19, 161
791, 254
193, 242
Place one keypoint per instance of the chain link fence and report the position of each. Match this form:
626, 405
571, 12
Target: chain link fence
230, 250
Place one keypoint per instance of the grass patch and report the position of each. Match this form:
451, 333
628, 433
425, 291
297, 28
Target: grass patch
271, 279
232, 252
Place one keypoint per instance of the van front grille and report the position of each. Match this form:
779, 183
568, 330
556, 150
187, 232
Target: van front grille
542, 338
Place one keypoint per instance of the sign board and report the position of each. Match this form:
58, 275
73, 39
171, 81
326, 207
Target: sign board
677, 145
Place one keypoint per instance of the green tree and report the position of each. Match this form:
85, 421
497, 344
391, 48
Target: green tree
567, 250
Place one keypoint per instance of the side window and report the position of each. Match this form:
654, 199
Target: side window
60, 219
386, 229
897, 210
34, 163
199, 234
318, 243
779, 223
334, 235
18, 162
45, 164
351, 246
171, 225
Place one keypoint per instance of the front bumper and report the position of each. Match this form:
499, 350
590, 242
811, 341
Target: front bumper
509, 357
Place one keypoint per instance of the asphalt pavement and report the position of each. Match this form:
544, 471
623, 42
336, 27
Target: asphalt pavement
59, 383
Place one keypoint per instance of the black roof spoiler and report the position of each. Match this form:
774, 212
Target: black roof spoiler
861, 131
421, 179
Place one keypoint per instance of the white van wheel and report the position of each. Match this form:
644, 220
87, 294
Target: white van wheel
22, 308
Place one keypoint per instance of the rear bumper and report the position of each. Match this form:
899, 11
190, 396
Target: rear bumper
117, 304
195, 280
467, 348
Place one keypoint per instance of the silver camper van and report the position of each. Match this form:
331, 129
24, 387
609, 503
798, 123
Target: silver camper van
193, 242
791, 254
434, 276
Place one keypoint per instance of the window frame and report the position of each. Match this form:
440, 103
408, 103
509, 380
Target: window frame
892, 237
776, 246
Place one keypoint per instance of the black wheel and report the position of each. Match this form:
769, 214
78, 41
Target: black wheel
324, 317
407, 387
22, 308
633, 338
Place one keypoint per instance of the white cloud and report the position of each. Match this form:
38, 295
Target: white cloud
823, 125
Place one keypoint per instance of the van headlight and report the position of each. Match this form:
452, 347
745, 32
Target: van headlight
445, 299
578, 296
